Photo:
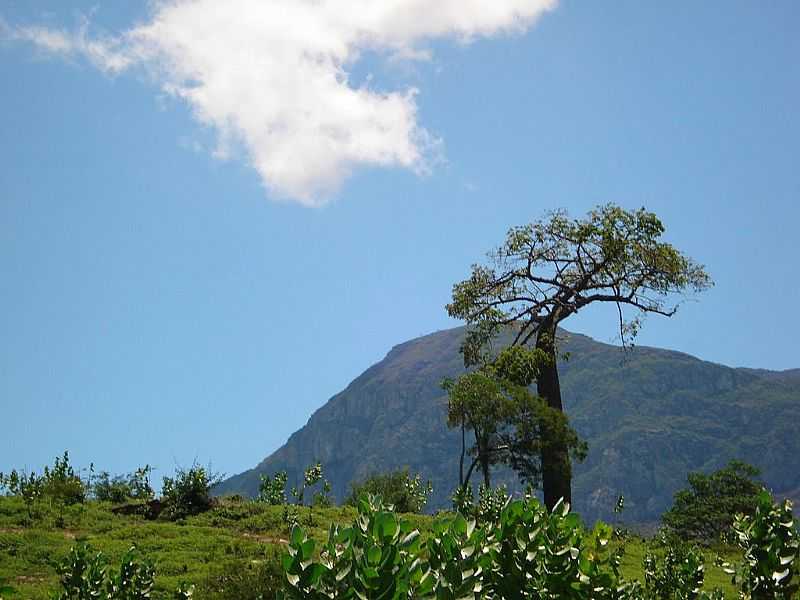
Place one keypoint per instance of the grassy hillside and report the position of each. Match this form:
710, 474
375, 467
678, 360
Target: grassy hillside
235, 544
649, 416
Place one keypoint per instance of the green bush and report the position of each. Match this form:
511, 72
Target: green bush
311, 477
86, 575
121, 488
272, 490
58, 485
375, 558
527, 553
189, 492
677, 574
705, 511
769, 540
398, 488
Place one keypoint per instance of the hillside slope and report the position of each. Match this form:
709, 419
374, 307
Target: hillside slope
649, 416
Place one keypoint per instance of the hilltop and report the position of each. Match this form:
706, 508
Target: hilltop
649, 415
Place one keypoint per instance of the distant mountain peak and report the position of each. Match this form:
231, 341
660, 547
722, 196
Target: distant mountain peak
649, 416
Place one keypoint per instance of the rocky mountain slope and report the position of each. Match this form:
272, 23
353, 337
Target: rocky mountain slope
649, 416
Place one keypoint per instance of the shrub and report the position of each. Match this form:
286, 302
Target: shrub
189, 492
375, 558
769, 539
527, 553
311, 477
491, 502
397, 488
676, 575
121, 488
272, 490
86, 575
59, 485
706, 510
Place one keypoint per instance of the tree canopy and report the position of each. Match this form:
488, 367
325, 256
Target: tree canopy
707, 507
550, 269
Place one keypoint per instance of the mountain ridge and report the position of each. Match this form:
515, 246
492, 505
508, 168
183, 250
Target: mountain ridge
650, 416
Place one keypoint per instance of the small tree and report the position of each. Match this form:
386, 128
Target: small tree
707, 508
272, 490
510, 424
551, 269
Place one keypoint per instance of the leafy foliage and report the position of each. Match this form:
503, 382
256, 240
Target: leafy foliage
189, 492
551, 269
510, 425
706, 510
311, 477
528, 552
59, 485
398, 488
85, 575
273, 489
491, 502
377, 557
769, 539
120, 488
678, 574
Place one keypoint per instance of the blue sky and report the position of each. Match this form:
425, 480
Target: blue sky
161, 304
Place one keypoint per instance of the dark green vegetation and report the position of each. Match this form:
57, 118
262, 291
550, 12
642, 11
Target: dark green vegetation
526, 551
406, 493
510, 425
85, 574
551, 269
707, 509
188, 493
649, 416
236, 549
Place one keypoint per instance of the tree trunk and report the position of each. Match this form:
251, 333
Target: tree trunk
556, 467
486, 478
461, 481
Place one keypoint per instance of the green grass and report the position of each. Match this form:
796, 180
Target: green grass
234, 537
636, 548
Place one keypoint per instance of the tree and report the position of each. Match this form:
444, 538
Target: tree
706, 509
510, 424
548, 271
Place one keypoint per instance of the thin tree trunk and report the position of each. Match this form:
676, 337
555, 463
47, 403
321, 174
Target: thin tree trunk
461, 481
556, 467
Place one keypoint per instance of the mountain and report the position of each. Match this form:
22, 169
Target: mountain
649, 415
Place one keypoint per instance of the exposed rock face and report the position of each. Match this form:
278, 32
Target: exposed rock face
649, 416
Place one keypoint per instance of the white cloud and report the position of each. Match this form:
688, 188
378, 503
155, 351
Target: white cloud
271, 76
